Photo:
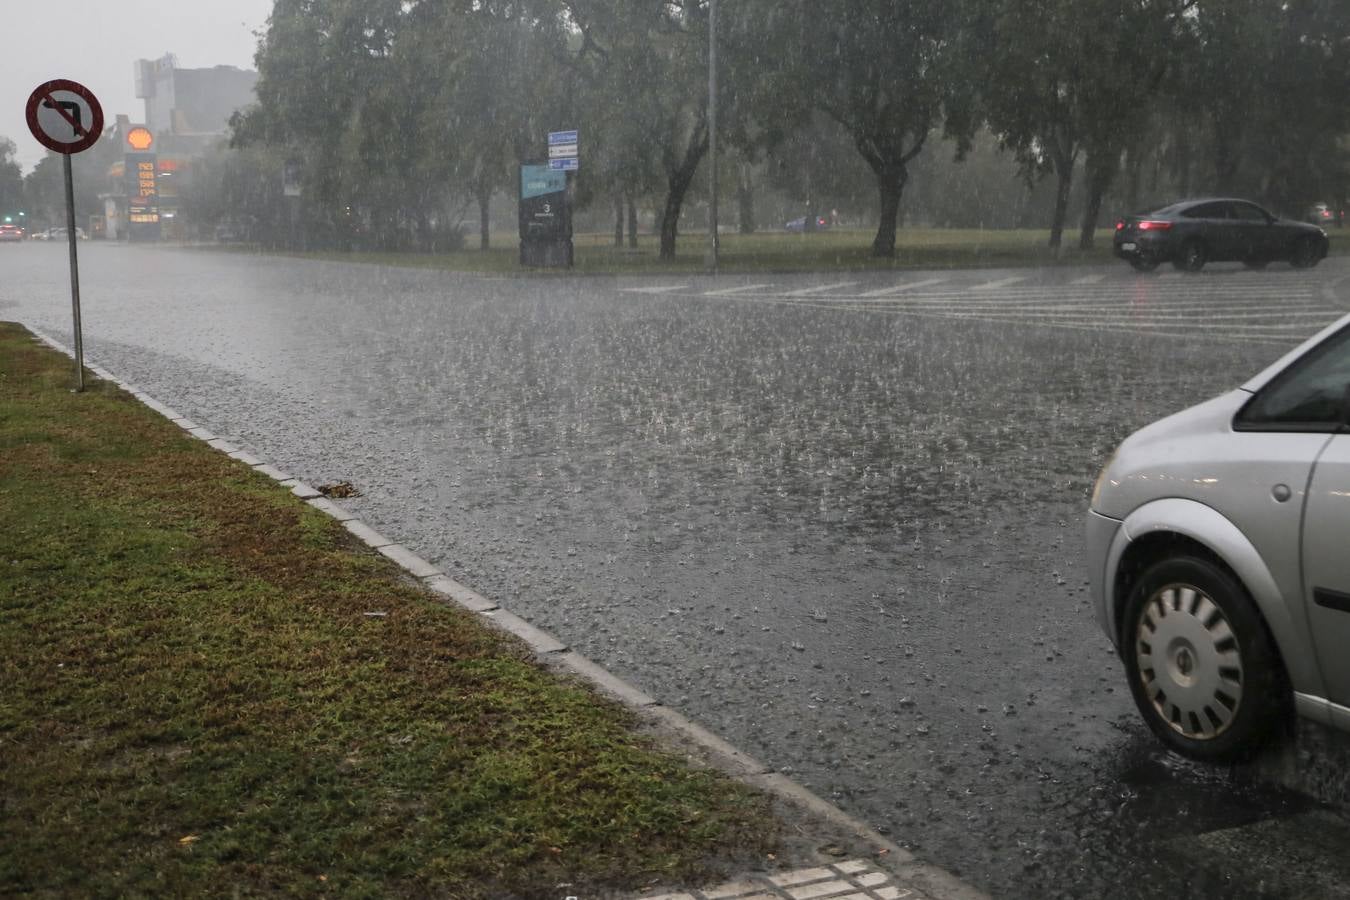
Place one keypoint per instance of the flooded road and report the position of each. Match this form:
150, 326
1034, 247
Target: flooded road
838, 522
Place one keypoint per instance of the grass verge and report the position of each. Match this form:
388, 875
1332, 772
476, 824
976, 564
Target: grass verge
195, 701
835, 250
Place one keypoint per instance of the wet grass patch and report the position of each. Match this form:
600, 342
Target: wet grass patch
843, 249
196, 701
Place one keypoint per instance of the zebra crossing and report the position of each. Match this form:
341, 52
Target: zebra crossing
1249, 307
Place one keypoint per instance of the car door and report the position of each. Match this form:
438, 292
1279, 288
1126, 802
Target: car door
1326, 566
1210, 223
1305, 406
1254, 234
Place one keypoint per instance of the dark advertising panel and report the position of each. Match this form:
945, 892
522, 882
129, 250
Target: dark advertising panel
545, 217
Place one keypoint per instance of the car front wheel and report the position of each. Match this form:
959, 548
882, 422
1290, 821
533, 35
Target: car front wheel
1203, 669
1305, 254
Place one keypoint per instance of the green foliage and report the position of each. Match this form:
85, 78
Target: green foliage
405, 114
44, 188
11, 180
889, 73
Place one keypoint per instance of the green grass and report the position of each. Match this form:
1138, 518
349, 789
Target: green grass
835, 250
595, 254
195, 703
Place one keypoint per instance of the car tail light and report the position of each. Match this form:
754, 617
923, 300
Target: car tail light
1153, 225
1120, 224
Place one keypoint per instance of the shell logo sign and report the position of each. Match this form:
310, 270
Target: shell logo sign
140, 138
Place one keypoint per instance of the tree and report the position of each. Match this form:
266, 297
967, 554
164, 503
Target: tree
44, 188
889, 72
496, 75
645, 65
336, 91
11, 180
1276, 75
1055, 87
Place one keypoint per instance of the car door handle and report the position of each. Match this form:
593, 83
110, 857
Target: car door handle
1331, 599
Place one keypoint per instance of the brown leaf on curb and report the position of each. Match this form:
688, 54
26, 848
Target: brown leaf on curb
189, 839
338, 489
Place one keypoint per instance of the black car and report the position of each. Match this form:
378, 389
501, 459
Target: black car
1193, 232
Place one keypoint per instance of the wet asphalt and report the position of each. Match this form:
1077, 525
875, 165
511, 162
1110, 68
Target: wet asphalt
843, 534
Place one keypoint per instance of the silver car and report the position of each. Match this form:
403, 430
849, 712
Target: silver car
1219, 556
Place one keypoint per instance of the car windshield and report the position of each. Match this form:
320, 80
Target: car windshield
751, 362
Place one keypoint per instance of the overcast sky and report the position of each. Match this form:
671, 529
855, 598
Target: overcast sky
95, 41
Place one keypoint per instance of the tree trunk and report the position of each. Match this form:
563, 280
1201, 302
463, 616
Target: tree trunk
618, 221
745, 201
1063, 184
1135, 167
632, 221
484, 223
890, 184
670, 219
1101, 172
678, 179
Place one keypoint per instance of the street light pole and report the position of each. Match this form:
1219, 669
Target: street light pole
712, 136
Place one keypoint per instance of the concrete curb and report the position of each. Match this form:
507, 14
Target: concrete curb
934, 882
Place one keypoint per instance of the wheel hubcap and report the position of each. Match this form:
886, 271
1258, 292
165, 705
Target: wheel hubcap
1189, 662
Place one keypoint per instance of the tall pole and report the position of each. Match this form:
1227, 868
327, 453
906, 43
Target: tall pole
74, 275
712, 135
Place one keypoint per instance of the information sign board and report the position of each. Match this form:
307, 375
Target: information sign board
563, 151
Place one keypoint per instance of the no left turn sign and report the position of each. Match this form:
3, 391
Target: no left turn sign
64, 116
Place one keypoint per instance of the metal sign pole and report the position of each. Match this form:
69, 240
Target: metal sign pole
65, 116
74, 275
712, 136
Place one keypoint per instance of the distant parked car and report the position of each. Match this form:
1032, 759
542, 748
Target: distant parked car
1216, 550
799, 225
1320, 214
11, 233
1193, 232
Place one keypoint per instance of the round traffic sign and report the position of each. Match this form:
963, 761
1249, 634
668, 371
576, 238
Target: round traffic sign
64, 116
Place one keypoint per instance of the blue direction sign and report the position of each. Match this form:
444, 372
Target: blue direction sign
562, 151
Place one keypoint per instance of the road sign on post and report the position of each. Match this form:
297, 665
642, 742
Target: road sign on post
65, 116
563, 154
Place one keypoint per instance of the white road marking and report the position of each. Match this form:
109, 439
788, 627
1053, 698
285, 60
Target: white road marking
1136, 306
1088, 279
663, 289
1002, 282
819, 289
1204, 317
898, 288
727, 292
1090, 325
